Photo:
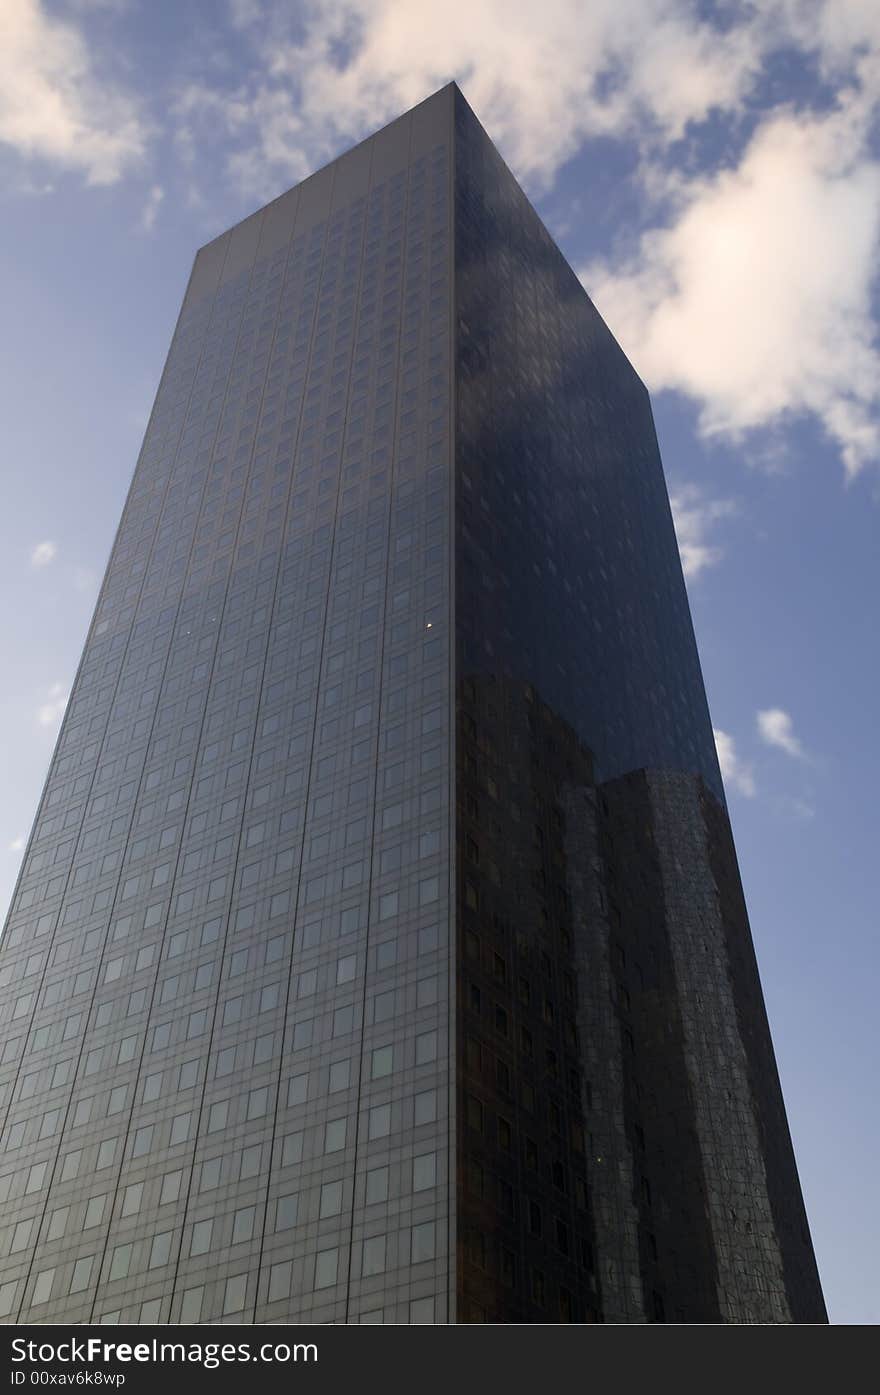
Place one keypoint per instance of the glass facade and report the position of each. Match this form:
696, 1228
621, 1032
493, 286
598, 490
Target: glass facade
622, 1148
386, 774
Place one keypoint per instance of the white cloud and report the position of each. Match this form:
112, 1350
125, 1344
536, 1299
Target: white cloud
541, 77
43, 554
734, 772
53, 103
776, 728
756, 299
694, 516
51, 711
25, 187
150, 210
16, 845
752, 295
245, 12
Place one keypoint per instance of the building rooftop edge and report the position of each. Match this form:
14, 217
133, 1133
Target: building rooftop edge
446, 87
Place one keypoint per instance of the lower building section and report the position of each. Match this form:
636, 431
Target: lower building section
623, 1152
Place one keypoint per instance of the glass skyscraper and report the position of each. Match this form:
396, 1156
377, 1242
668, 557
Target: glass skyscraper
379, 952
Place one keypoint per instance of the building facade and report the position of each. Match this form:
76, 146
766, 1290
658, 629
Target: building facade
379, 951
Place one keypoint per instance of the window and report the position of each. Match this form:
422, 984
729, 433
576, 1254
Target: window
326, 1264
70, 1166
94, 1212
286, 1208
292, 1148
334, 1135
258, 1102
22, 1234
339, 1076
425, 1107
187, 1075
279, 1281
379, 1121
218, 1115
243, 1224
200, 1240
388, 905
331, 1199
42, 1287
58, 1223
152, 1087
429, 890
82, 1273
171, 1184
426, 1048
191, 1306
120, 1262
343, 1021
160, 1250
373, 1256
377, 1185
106, 1153
423, 1242
424, 1172
382, 1063
346, 968
210, 1174
179, 1129
297, 1089
235, 1294
249, 1165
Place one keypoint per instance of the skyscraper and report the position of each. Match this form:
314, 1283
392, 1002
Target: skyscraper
379, 952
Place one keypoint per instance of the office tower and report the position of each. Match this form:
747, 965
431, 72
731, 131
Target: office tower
379, 952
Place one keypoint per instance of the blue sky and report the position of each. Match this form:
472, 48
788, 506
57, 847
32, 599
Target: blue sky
713, 172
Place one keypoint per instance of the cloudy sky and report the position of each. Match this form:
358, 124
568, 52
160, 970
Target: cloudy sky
713, 172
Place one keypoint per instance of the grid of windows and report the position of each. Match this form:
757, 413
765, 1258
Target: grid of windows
380, 933
610, 1028
224, 997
